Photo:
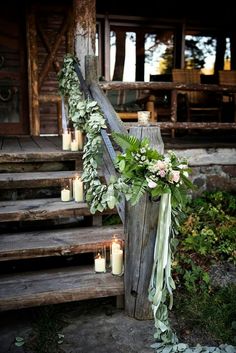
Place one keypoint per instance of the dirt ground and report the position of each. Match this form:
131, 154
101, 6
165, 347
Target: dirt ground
95, 326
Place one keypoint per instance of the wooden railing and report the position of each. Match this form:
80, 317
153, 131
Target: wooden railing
140, 221
174, 88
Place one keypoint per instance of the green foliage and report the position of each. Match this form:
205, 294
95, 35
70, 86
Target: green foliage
207, 235
213, 312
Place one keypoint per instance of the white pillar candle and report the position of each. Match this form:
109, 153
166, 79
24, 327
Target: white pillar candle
79, 138
117, 262
65, 195
74, 145
78, 190
100, 264
115, 245
143, 117
66, 140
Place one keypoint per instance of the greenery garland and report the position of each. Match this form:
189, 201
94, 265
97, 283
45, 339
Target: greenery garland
142, 170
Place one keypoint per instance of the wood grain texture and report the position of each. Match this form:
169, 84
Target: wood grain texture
140, 235
40, 209
56, 242
56, 286
34, 180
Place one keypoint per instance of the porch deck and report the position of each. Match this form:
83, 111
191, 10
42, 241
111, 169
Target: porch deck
50, 147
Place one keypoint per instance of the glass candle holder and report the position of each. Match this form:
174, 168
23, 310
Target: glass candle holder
143, 117
66, 140
116, 256
65, 194
74, 146
78, 189
100, 259
79, 138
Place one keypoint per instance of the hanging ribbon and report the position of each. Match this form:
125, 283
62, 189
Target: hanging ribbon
161, 281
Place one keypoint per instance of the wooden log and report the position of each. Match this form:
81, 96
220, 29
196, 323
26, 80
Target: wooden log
33, 75
140, 235
91, 65
85, 29
167, 86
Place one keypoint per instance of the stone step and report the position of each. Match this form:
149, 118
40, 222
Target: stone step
56, 242
58, 285
42, 209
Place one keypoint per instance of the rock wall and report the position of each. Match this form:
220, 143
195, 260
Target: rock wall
212, 168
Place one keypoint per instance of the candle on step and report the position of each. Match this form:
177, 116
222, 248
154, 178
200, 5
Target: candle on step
79, 138
65, 194
78, 191
66, 140
99, 263
74, 145
117, 262
116, 256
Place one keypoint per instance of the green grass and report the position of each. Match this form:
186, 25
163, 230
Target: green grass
214, 313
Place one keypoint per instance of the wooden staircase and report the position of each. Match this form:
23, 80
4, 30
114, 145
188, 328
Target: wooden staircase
46, 245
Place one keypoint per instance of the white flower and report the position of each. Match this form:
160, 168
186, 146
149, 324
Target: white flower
152, 184
143, 150
183, 166
161, 165
186, 174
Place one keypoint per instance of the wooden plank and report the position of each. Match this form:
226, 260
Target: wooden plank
10, 144
34, 179
140, 235
56, 242
56, 286
112, 118
37, 166
40, 156
46, 144
28, 144
40, 209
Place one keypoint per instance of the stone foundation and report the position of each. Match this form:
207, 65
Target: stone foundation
212, 169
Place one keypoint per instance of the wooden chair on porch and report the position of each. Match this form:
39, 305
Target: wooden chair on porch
127, 103
197, 103
228, 78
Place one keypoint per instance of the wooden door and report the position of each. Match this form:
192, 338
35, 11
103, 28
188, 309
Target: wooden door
49, 28
13, 71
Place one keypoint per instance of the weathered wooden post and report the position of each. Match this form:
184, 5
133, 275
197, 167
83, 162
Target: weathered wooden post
140, 235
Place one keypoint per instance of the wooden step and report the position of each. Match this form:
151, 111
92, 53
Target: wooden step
56, 286
56, 242
42, 209
34, 180
42, 156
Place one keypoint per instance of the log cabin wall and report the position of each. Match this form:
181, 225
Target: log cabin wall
49, 36
13, 86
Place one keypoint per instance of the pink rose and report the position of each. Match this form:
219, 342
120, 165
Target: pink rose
174, 176
162, 173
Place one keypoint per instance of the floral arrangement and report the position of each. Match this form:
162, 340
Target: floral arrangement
146, 170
